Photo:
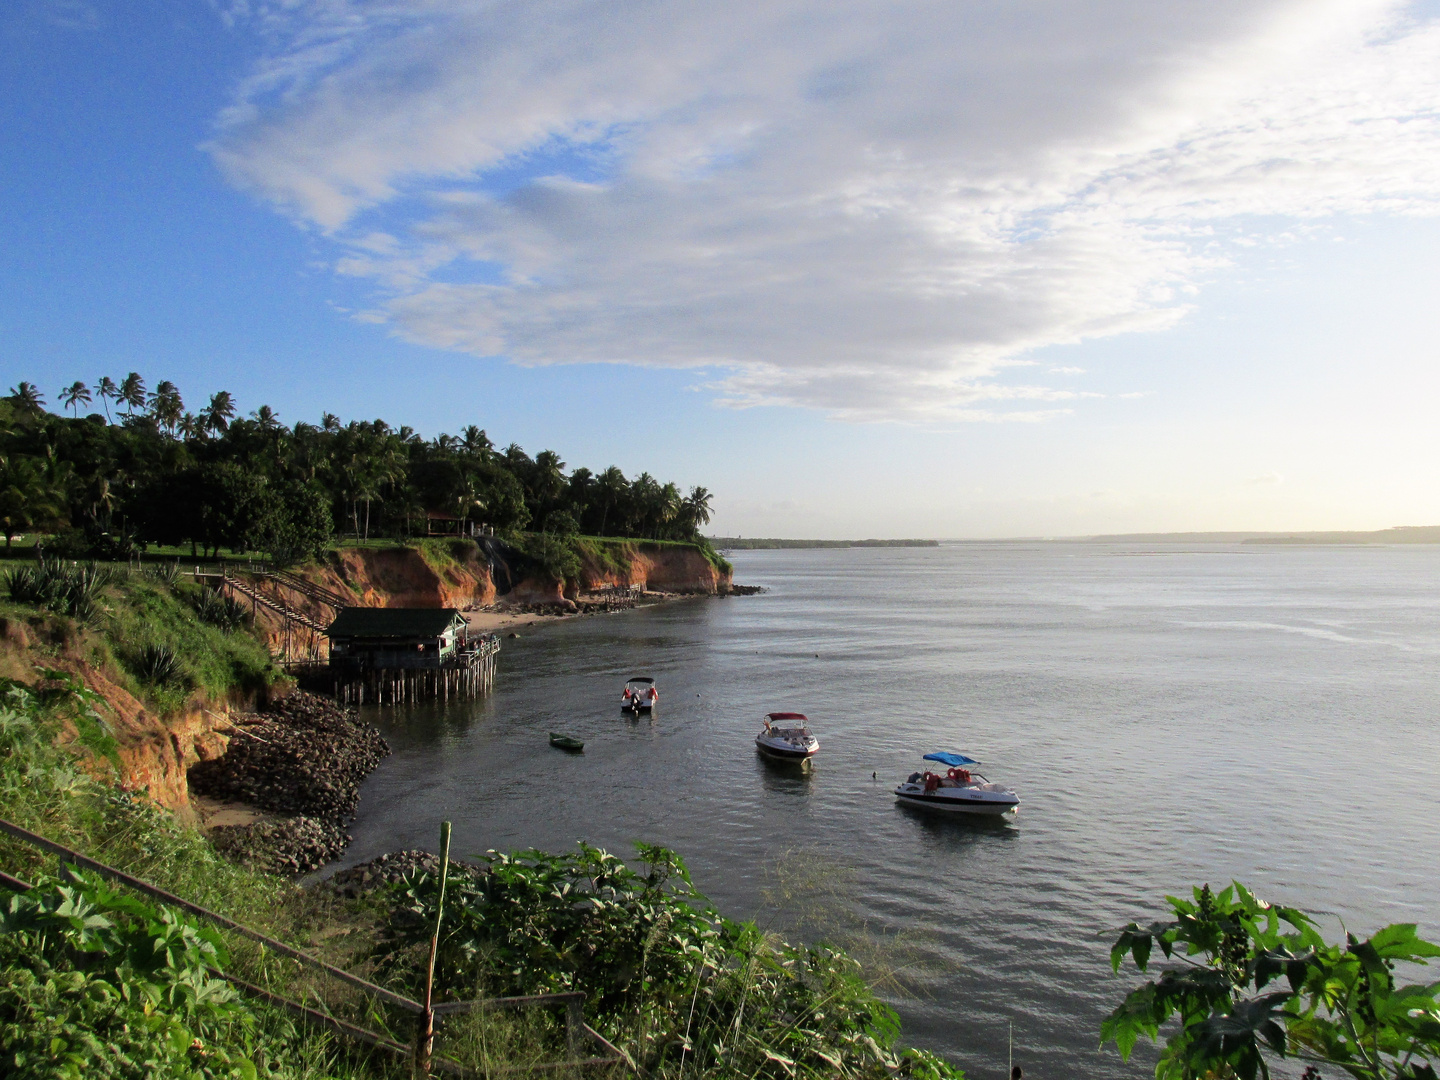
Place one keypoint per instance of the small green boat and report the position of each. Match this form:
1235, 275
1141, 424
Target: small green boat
566, 742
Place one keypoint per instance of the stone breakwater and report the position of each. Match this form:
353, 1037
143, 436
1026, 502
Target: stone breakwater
290, 846
305, 757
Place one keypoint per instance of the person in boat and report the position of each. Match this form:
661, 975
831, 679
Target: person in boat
931, 782
652, 696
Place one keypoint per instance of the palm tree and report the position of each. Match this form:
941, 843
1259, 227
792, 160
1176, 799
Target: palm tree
220, 411
610, 487
668, 503
329, 423
166, 406
75, 395
27, 397
107, 391
695, 511
28, 497
266, 418
477, 442
132, 392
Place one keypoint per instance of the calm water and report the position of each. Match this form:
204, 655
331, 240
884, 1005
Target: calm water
1168, 716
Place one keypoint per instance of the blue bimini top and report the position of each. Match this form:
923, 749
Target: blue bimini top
953, 760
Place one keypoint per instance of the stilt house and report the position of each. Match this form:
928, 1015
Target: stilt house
408, 654
366, 639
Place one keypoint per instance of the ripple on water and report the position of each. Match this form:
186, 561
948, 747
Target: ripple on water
1194, 715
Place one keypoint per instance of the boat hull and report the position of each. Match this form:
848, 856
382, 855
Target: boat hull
956, 804
636, 708
786, 753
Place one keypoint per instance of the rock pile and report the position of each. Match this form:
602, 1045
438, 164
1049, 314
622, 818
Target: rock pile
304, 755
294, 845
389, 868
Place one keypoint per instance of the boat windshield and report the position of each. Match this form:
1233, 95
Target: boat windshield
787, 727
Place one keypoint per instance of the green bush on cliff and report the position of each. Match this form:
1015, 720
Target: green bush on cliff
684, 990
94, 980
547, 556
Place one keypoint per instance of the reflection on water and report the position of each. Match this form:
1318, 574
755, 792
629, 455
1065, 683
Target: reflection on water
784, 777
1166, 720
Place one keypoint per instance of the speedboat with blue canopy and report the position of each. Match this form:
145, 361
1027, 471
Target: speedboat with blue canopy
957, 790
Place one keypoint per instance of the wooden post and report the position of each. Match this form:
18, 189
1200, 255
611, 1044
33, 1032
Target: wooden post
425, 1031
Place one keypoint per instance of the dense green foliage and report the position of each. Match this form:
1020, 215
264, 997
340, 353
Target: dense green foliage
1254, 981
684, 990
95, 981
212, 480
156, 634
100, 984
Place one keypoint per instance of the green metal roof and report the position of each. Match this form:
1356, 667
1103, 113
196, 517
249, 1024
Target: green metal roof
405, 622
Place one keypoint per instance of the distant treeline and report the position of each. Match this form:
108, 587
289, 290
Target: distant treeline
737, 543
156, 472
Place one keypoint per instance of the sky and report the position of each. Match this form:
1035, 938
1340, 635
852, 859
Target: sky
962, 269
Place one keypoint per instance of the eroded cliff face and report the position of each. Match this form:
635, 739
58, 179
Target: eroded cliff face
402, 577
464, 575
155, 753
659, 567
383, 577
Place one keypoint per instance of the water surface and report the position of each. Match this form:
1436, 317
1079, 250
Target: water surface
1169, 716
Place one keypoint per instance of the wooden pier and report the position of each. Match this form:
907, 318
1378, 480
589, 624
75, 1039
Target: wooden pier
470, 674
392, 655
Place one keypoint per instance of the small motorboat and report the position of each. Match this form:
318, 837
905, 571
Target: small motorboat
957, 790
787, 737
566, 742
640, 695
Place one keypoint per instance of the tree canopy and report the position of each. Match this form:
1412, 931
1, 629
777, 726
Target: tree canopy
158, 472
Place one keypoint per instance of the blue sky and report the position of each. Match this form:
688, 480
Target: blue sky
1149, 266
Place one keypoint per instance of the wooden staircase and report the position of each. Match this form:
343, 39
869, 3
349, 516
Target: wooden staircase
223, 581
318, 593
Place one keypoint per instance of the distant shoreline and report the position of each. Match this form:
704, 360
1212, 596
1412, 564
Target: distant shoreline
1406, 534
736, 543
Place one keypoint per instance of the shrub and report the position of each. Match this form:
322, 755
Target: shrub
65, 588
160, 665
552, 556
164, 573
662, 971
224, 612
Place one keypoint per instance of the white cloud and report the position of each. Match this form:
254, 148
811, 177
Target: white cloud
1067, 371
865, 207
1269, 479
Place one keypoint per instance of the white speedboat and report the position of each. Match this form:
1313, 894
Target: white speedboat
957, 790
640, 695
787, 737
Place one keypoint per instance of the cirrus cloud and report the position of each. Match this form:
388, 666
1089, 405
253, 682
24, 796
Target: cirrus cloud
866, 207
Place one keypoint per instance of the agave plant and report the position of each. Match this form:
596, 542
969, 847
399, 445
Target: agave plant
160, 665
164, 573
220, 611
66, 588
